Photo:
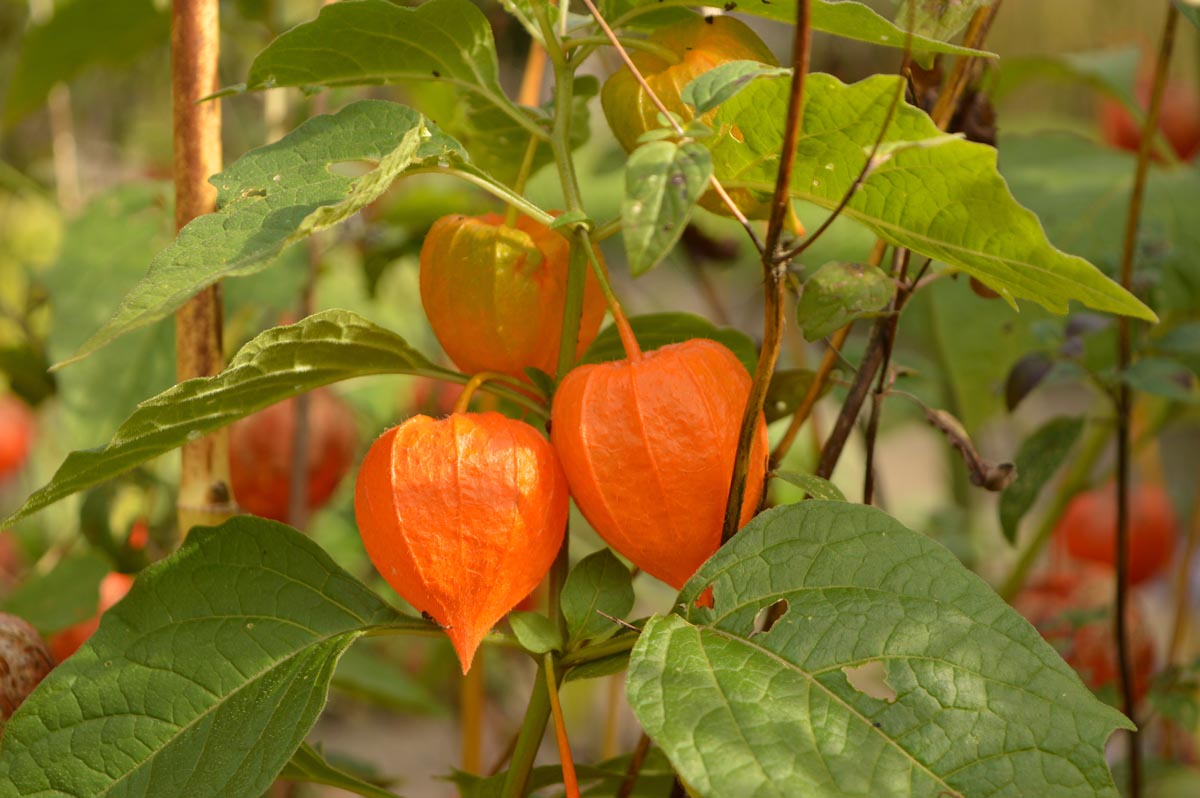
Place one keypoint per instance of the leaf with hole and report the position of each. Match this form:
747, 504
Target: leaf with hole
276, 195
204, 680
956, 693
663, 181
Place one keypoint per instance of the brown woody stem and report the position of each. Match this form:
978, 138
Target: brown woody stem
1125, 395
204, 494
774, 272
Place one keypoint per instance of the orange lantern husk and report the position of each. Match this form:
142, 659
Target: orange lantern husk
648, 446
494, 294
462, 516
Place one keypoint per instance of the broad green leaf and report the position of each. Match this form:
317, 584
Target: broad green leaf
448, 41
204, 680
1110, 71
838, 293
307, 765
1162, 377
374, 41
816, 487
1038, 458
276, 195
787, 390
280, 363
937, 19
845, 18
63, 596
76, 37
892, 671
599, 583
946, 202
535, 632
365, 674
1190, 9
722, 82
497, 139
663, 180
103, 255
659, 329
1181, 342
1080, 191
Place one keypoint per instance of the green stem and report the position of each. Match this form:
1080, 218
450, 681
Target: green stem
598, 651
529, 739
510, 215
1076, 480
607, 230
629, 44
497, 190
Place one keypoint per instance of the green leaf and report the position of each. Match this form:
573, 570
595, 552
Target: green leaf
374, 41
280, 363
663, 180
63, 596
307, 765
1190, 10
816, 487
659, 329
446, 41
787, 390
77, 37
365, 674
204, 680
850, 20
722, 82
276, 195
599, 583
1039, 457
838, 293
937, 19
535, 632
892, 671
1162, 377
1110, 71
103, 255
946, 202
1080, 190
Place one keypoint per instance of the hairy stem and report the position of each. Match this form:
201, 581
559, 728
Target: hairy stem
204, 494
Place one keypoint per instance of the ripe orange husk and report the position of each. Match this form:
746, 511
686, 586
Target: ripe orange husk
260, 454
648, 446
494, 294
700, 44
463, 516
16, 434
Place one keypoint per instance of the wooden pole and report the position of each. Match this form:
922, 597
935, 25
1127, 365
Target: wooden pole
204, 494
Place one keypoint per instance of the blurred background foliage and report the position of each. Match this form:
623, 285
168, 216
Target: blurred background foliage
85, 155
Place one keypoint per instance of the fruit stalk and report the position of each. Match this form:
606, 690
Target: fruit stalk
570, 782
1124, 398
204, 495
774, 272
